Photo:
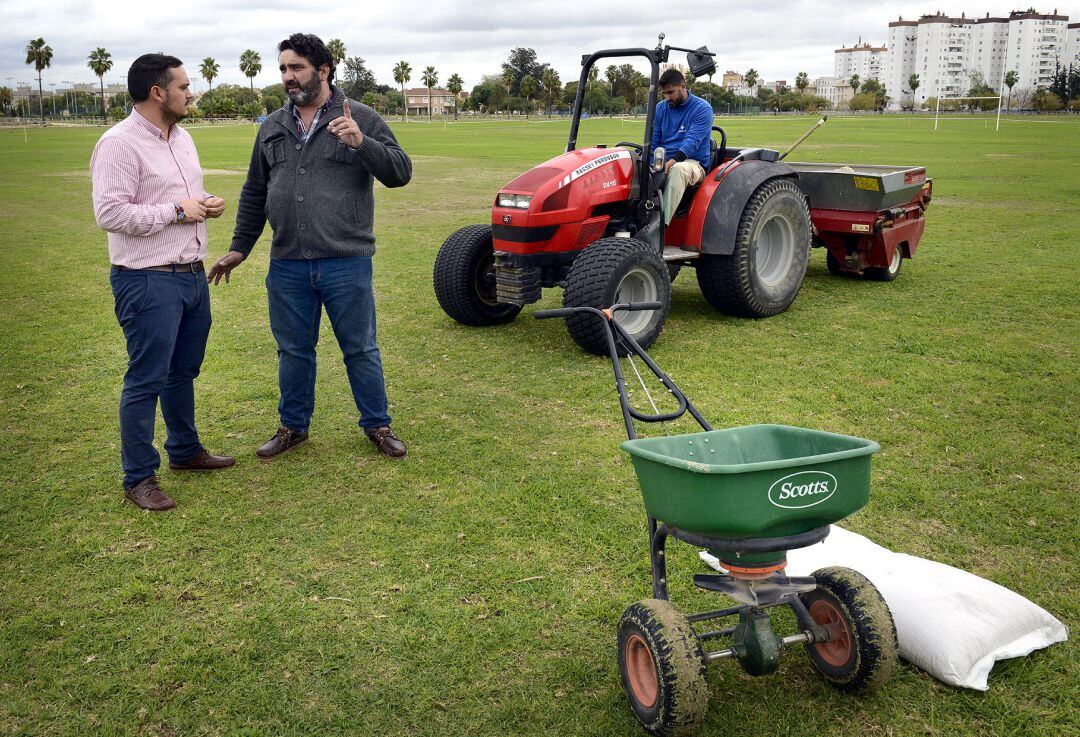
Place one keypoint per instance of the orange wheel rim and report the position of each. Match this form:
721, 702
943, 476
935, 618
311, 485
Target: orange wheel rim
837, 651
641, 671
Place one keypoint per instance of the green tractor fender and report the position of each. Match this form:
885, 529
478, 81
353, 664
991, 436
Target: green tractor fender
729, 200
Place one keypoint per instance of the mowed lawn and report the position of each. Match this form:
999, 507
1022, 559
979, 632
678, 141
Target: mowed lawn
475, 588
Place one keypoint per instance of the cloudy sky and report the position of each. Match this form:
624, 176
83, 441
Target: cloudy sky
469, 37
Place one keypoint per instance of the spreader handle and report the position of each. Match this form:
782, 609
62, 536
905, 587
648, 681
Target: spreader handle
631, 306
561, 312
568, 311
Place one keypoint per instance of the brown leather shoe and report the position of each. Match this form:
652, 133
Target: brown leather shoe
387, 443
148, 495
284, 439
204, 460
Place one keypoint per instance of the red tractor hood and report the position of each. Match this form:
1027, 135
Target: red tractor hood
563, 191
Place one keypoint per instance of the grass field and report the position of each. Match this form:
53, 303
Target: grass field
474, 589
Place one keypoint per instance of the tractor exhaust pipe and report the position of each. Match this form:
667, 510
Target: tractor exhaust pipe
805, 136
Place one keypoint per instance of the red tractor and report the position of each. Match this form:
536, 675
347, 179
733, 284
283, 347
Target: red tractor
590, 221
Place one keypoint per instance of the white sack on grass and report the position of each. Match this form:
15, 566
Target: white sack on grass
951, 623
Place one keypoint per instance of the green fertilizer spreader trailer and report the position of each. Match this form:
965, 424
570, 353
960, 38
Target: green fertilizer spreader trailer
747, 495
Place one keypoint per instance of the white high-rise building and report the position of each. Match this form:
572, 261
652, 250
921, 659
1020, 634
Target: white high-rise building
863, 59
945, 52
1072, 46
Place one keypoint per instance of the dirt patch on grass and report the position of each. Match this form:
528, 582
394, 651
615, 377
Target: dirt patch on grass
231, 172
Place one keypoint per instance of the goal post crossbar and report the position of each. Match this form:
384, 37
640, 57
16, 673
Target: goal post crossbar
937, 107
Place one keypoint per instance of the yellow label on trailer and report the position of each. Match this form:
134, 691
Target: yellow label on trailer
867, 183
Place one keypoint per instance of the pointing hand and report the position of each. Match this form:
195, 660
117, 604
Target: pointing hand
346, 129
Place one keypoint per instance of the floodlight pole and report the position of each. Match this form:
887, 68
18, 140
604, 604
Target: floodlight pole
937, 110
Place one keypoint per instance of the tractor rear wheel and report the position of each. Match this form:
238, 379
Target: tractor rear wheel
610, 271
662, 668
465, 279
764, 273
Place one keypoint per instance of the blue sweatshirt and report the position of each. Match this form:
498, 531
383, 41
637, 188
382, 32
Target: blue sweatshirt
684, 129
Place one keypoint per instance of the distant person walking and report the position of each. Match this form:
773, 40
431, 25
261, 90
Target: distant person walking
148, 194
311, 174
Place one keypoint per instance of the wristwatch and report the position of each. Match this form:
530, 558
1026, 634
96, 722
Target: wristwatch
180, 215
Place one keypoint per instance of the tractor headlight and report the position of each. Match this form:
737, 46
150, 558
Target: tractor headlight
520, 201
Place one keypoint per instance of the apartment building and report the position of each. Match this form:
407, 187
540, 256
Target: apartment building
945, 51
1072, 45
867, 61
837, 90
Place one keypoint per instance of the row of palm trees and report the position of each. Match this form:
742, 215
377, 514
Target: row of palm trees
40, 54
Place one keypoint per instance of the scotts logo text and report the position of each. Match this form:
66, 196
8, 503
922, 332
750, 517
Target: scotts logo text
802, 489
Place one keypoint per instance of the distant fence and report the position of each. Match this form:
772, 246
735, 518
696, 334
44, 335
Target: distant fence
520, 118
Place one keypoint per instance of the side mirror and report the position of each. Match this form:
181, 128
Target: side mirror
701, 62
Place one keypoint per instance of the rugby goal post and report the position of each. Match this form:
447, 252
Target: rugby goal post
937, 108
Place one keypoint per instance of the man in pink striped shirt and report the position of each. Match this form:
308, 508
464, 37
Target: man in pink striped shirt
149, 196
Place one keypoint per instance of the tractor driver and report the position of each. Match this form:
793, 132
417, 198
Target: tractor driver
682, 125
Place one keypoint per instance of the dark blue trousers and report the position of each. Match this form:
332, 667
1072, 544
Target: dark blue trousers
166, 321
298, 290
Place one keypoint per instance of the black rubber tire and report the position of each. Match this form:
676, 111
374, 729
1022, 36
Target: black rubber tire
733, 284
888, 273
464, 279
832, 264
594, 280
681, 692
868, 623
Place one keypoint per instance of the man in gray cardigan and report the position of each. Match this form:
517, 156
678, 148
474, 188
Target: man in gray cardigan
311, 176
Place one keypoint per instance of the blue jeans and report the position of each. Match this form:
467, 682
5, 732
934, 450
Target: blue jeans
298, 289
166, 320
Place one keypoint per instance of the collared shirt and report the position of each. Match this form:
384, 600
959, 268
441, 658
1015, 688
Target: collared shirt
305, 133
138, 179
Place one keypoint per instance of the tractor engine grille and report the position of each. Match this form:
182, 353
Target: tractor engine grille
516, 285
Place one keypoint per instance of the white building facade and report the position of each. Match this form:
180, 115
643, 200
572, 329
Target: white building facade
945, 52
837, 90
1072, 45
863, 59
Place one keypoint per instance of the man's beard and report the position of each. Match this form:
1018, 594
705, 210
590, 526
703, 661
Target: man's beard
167, 114
307, 93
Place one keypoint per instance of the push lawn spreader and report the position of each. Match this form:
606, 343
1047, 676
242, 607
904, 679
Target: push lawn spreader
748, 495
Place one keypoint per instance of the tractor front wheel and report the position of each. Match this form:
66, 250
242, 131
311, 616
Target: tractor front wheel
765, 271
862, 651
465, 279
612, 271
662, 668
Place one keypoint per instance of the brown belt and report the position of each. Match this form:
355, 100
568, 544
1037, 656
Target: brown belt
195, 267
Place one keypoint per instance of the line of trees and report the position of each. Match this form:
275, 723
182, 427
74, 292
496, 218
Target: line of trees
525, 83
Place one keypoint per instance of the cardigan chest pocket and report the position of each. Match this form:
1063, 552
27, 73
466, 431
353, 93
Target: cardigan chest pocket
337, 151
274, 150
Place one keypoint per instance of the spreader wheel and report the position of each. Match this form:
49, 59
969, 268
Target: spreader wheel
465, 279
832, 264
612, 271
662, 668
764, 273
891, 271
862, 651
